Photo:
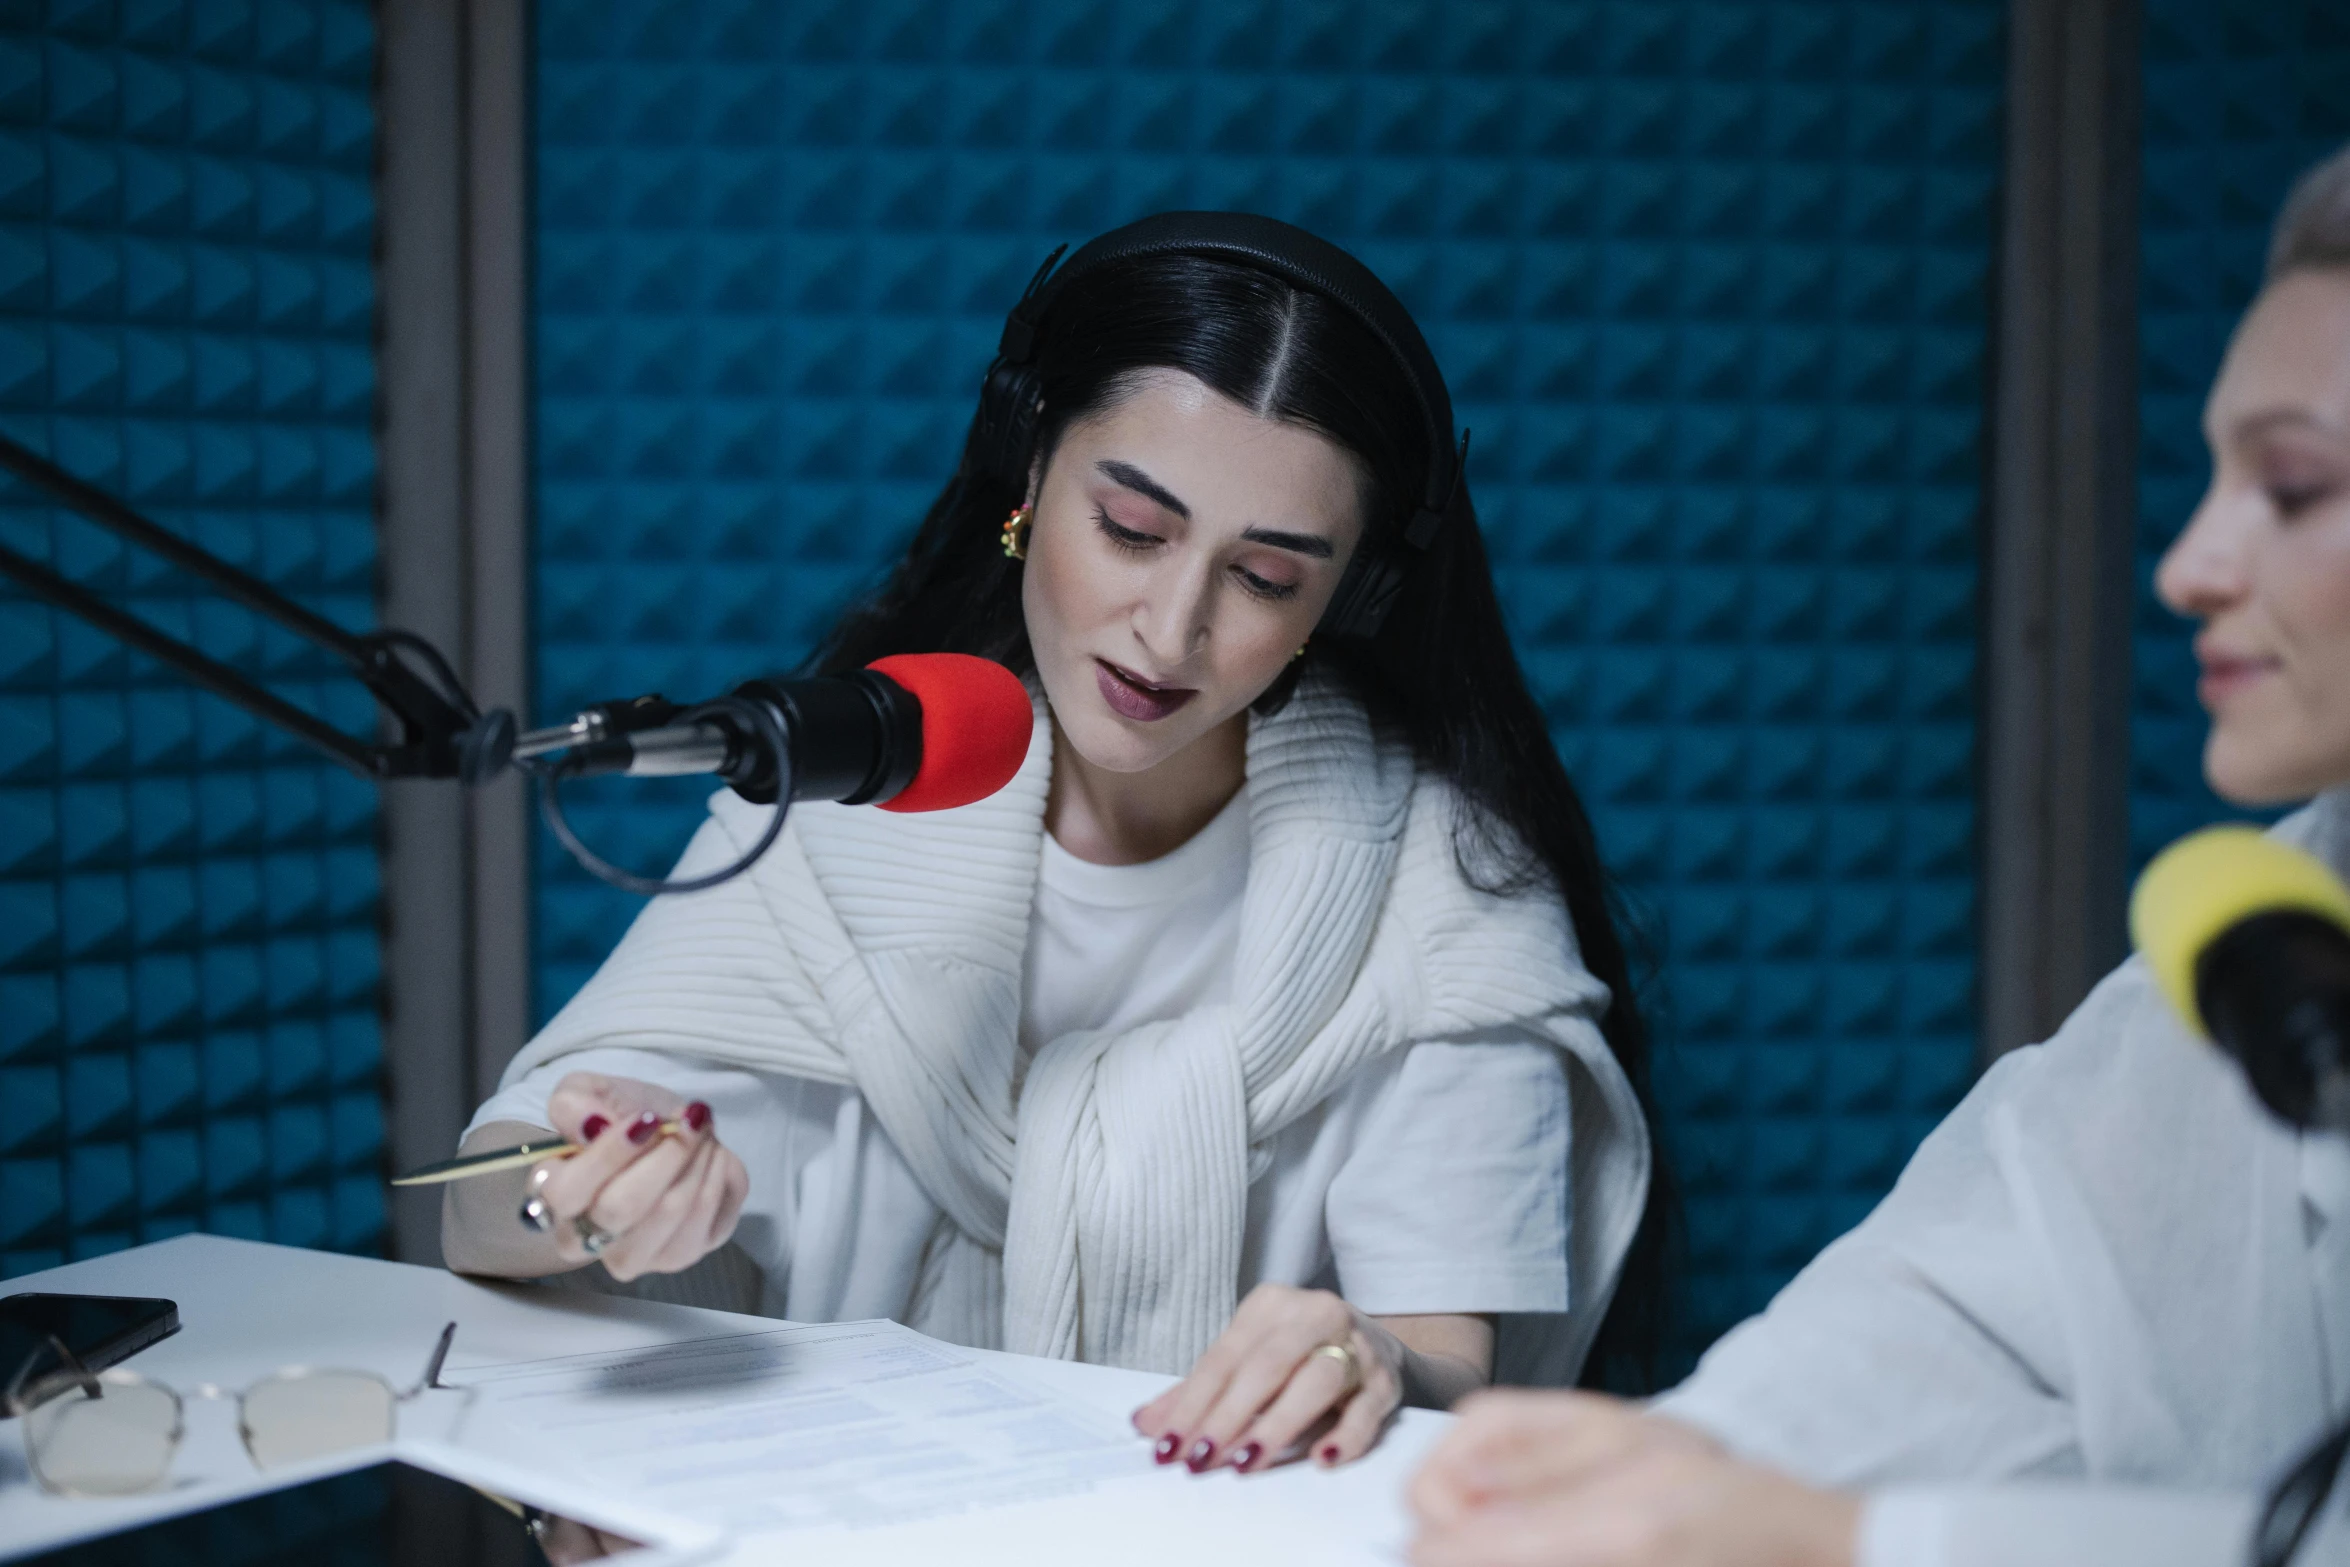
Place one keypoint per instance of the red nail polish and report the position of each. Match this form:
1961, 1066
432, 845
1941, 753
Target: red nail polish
697, 1115
1329, 1454
1246, 1458
592, 1128
1203, 1453
1169, 1446
641, 1129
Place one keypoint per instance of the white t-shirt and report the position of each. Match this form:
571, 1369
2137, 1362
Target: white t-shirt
1118, 946
1434, 1181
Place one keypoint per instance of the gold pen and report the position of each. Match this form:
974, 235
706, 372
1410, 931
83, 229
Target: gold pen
472, 1164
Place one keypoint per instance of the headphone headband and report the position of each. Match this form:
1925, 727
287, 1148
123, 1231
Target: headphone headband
1007, 411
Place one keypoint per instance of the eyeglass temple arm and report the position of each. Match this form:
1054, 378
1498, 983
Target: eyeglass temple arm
12, 1400
432, 1367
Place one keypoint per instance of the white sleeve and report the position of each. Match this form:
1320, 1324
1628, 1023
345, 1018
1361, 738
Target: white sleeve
1929, 1342
1453, 1197
2028, 1525
1914, 1347
2075, 1278
713, 974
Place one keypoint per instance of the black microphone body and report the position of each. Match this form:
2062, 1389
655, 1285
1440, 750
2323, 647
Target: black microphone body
2248, 938
2274, 989
854, 738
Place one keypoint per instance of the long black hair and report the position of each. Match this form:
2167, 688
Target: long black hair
1440, 673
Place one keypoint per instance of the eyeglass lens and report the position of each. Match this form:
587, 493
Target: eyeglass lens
121, 1441
112, 1445
310, 1414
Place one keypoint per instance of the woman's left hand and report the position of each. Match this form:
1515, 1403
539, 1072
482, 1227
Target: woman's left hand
1263, 1388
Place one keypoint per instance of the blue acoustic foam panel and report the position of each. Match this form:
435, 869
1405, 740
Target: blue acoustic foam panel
188, 949
1709, 282
2239, 100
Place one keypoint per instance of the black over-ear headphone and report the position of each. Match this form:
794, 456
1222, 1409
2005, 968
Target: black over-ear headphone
1008, 403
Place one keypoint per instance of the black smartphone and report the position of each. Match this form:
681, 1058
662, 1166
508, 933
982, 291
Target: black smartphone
99, 1329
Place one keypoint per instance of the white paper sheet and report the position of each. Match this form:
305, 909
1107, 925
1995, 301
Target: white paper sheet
855, 1423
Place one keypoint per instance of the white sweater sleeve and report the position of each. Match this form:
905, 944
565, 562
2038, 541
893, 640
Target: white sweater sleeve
2039, 1525
710, 974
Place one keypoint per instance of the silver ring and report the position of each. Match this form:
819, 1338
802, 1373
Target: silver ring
536, 1215
593, 1238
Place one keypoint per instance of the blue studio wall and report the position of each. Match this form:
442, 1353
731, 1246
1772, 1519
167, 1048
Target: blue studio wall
2239, 100
1709, 282
188, 950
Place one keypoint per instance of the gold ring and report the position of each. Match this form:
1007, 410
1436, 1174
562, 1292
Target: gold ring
1346, 1355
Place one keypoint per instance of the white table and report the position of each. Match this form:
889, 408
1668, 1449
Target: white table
247, 1310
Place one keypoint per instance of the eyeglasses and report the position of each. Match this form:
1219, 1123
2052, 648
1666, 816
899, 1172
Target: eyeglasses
114, 1432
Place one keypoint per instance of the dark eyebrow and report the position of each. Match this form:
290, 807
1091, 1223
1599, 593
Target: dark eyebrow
1302, 543
1143, 484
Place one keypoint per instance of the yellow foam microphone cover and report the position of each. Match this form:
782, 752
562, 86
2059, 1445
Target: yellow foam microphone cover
2208, 881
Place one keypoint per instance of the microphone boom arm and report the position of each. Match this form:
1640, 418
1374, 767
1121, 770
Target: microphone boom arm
442, 733
860, 736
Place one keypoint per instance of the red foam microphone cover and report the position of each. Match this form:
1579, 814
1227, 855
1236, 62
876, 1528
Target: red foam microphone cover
976, 724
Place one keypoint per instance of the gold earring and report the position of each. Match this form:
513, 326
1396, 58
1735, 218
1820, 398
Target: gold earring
1016, 534
1301, 651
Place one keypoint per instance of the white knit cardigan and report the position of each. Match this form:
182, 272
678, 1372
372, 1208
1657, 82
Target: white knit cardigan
1099, 1215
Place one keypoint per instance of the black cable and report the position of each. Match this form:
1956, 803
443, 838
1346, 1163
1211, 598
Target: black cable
2296, 1501
770, 731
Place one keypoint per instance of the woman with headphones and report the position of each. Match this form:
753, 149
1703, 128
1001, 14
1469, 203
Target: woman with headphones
1271, 1026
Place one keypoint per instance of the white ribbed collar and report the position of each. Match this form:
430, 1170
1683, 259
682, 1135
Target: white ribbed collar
962, 882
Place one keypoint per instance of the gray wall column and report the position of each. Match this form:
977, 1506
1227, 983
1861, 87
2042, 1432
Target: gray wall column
2058, 583
454, 504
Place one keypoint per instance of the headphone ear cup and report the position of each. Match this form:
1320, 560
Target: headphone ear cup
1007, 422
1365, 594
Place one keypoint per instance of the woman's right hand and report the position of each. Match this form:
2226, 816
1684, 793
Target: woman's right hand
1544, 1479
662, 1203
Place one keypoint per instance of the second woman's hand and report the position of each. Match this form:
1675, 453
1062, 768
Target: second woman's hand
634, 1199
1528, 1479
1267, 1391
